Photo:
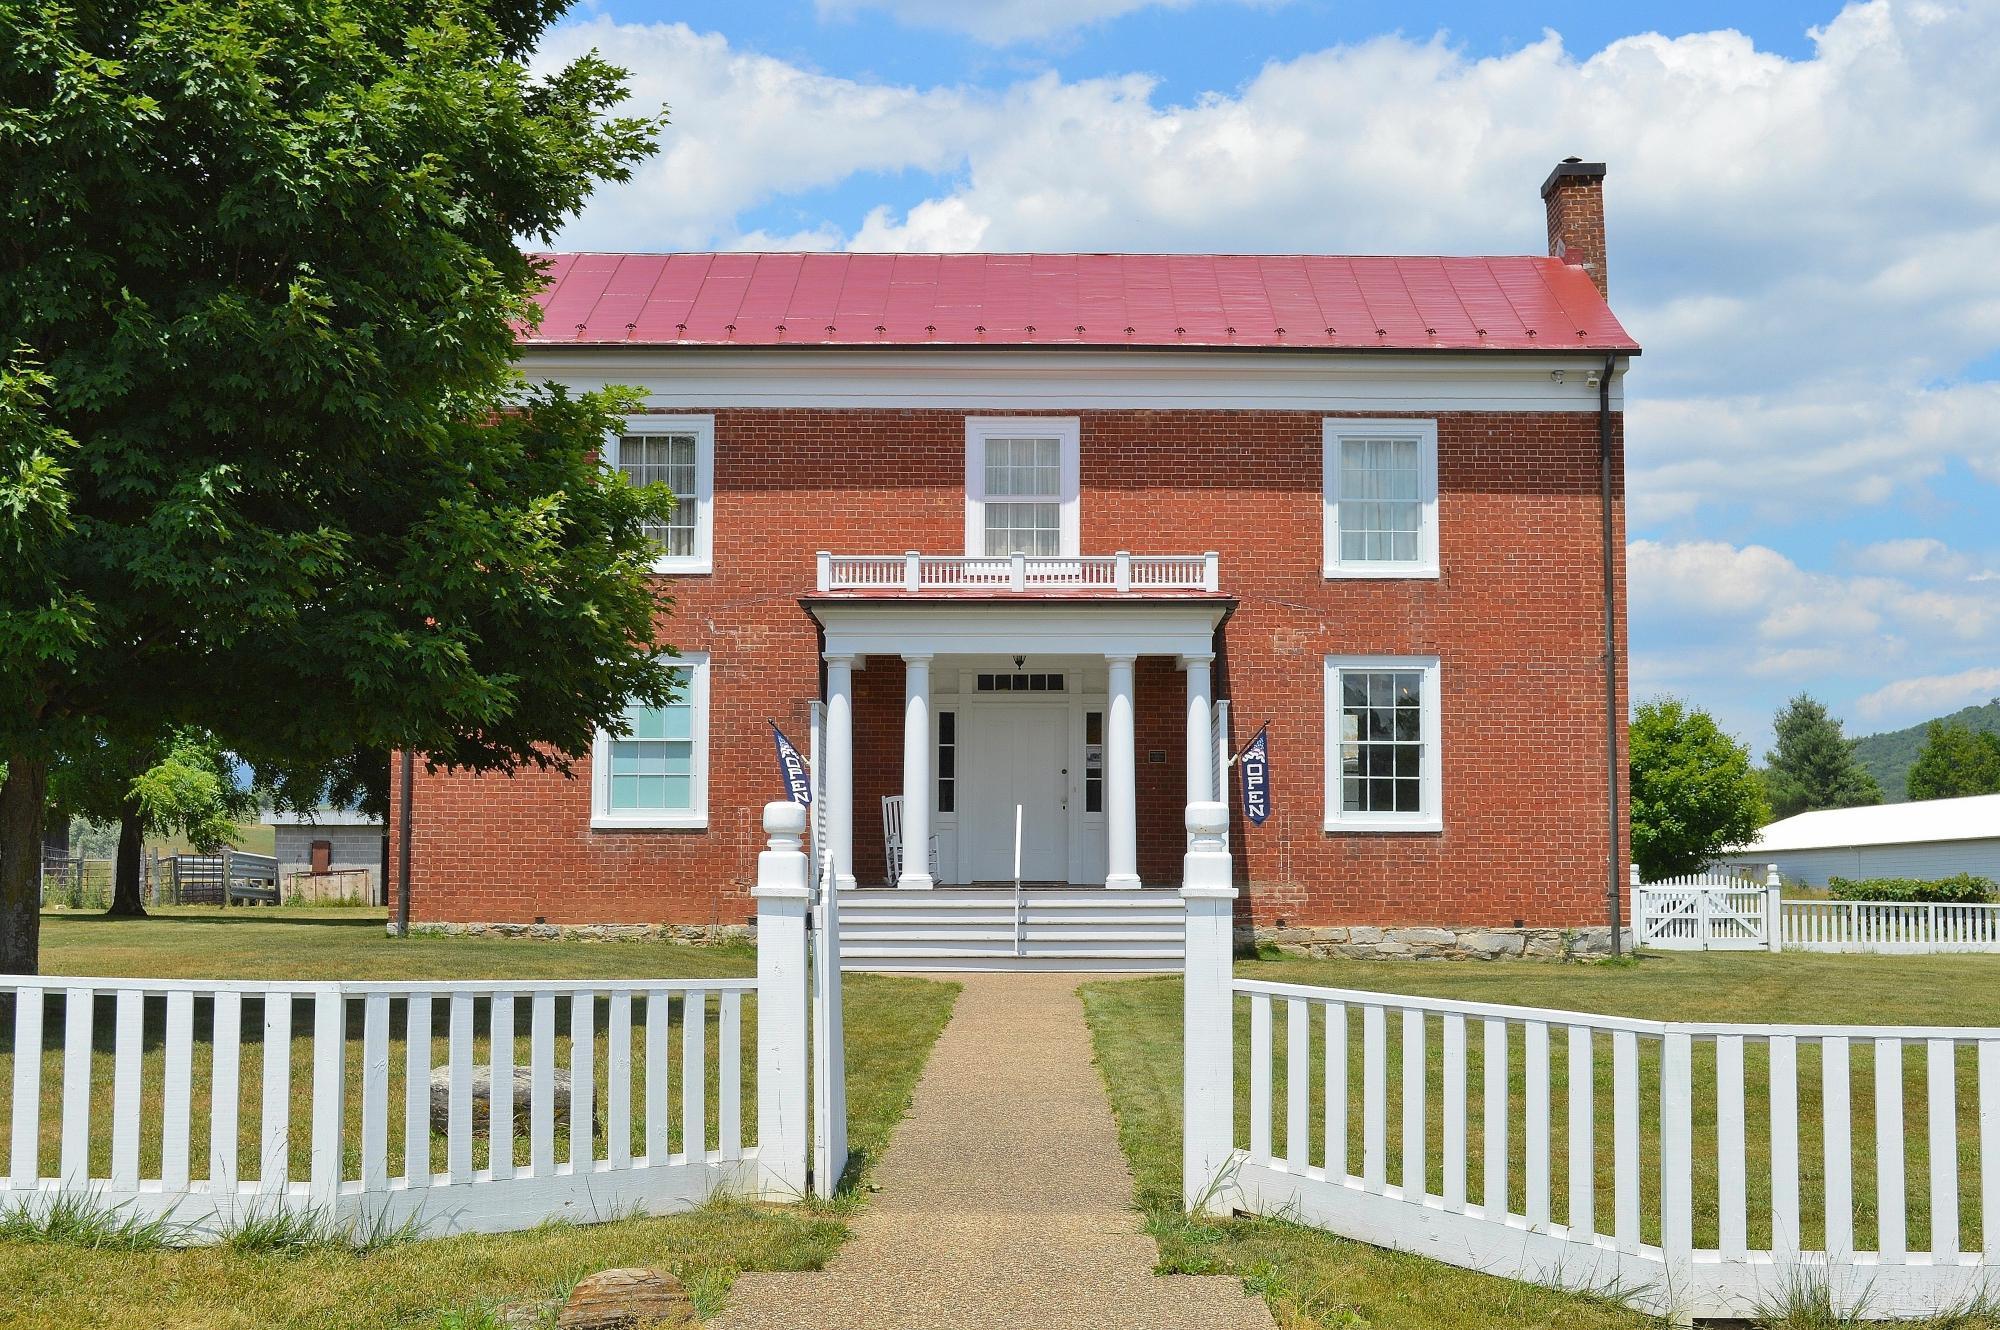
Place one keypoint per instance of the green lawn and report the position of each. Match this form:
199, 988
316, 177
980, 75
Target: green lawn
1313, 1279
452, 1282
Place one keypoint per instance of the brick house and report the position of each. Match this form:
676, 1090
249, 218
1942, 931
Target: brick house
1058, 533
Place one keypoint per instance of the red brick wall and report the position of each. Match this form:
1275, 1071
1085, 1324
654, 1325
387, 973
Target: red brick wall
1516, 619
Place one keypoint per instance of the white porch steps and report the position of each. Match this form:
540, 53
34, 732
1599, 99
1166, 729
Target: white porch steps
973, 928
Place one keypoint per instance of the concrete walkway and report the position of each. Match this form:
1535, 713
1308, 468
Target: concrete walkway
1004, 1201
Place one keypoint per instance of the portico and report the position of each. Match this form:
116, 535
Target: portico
1015, 701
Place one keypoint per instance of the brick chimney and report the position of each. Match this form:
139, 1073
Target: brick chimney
1573, 196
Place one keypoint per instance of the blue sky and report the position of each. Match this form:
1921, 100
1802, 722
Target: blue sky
1802, 203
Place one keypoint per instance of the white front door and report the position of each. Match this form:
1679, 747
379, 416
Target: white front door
1015, 752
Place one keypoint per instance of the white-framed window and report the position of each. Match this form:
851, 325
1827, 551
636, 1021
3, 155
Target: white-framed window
656, 775
1021, 483
1380, 486
1383, 759
679, 452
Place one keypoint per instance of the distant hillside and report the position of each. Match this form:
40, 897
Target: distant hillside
1888, 756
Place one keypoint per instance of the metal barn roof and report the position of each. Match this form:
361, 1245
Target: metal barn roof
1974, 818
1210, 301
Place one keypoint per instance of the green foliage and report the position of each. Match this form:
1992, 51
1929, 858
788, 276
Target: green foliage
1693, 790
44, 621
1960, 889
1889, 756
182, 785
1956, 761
266, 467
1813, 765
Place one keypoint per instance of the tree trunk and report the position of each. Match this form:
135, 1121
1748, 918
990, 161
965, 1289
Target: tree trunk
128, 899
23, 798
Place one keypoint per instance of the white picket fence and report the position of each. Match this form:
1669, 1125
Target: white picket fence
1719, 912
211, 1102
1888, 927
1691, 1170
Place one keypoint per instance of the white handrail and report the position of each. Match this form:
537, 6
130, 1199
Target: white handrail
1019, 941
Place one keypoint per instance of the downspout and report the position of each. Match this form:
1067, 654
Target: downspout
403, 854
1614, 883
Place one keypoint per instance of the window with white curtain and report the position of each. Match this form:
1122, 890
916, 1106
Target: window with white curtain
1021, 486
1380, 481
678, 452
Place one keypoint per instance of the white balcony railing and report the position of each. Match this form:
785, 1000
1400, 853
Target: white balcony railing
1119, 573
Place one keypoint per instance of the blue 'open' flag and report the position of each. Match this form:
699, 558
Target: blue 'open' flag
1255, 762
791, 768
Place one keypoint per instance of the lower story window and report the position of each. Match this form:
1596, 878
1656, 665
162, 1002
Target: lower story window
656, 773
1383, 759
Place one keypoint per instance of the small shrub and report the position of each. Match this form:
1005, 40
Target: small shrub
1962, 889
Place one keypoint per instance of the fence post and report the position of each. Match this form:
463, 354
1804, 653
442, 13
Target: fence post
1638, 911
1208, 1014
781, 895
1774, 913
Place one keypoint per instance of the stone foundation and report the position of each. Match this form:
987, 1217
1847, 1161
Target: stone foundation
699, 935
1446, 943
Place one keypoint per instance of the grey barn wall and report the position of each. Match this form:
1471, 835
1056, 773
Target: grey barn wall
1921, 859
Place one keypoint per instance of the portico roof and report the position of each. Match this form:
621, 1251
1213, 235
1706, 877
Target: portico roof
1096, 625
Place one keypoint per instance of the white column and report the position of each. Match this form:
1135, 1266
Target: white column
1200, 730
782, 873
916, 874
840, 769
1208, 1106
1121, 779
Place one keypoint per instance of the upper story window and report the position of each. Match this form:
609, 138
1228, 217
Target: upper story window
678, 452
1021, 479
656, 774
1383, 762
1380, 480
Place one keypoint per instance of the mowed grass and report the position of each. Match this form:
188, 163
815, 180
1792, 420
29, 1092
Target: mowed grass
891, 1024
1311, 1278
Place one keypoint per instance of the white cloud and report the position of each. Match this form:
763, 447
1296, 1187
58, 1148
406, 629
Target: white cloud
745, 129
1735, 611
999, 21
1917, 556
1930, 694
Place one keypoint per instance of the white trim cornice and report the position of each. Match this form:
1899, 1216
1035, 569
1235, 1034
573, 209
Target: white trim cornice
893, 628
1057, 381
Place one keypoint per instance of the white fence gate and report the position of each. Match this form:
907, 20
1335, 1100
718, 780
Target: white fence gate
363, 1104
1692, 1170
1705, 912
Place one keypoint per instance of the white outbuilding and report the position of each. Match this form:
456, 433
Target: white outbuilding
1929, 838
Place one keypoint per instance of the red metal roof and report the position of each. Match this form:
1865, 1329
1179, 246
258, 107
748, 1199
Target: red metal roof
1295, 301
